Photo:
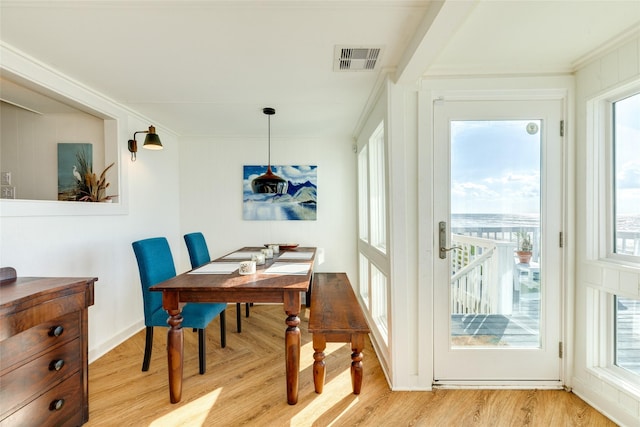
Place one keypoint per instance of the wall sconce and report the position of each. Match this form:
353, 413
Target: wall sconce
151, 142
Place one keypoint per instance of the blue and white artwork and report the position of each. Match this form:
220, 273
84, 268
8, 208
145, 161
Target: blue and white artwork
298, 203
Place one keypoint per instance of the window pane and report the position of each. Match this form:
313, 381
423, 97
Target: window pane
627, 331
363, 194
496, 288
377, 189
379, 299
627, 175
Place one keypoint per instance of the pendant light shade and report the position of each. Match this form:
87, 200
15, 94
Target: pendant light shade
269, 182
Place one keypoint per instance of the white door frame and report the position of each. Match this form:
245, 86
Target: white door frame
487, 88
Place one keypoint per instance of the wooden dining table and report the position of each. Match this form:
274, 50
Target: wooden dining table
280, 280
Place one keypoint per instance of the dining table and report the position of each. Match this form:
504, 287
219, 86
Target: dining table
280, 279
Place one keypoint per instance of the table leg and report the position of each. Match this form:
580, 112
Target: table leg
319, 345
175, 348
357, 345
292, 356
292, 344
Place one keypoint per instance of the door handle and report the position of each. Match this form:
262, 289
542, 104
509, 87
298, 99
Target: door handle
442, 228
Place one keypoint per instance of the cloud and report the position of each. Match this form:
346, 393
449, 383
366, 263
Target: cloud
472, 189
628, 175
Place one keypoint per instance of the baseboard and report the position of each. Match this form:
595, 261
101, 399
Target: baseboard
607, 402
103, 348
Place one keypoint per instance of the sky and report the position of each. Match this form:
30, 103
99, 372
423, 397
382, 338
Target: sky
627, 139
495, 167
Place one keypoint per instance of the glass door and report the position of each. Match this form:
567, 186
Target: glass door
498, 280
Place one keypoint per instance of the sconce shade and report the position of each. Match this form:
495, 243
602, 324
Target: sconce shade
269, 182
151, 142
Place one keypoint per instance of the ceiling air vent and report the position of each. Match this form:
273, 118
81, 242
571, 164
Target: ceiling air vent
356, 58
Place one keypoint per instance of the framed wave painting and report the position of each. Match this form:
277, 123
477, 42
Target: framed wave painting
295, 201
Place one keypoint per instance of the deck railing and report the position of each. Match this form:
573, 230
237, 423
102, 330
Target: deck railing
628, 243
483, 270
482, 275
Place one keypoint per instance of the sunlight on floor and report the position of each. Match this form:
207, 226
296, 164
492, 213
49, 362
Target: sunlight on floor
306, 353
192, 414
334, 396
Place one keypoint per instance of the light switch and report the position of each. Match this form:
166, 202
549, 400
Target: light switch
8, 192
5, 178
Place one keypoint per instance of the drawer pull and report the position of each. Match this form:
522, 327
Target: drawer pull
56, 405
56, 365
56, 331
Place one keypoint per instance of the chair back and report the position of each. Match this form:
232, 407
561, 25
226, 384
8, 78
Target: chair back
197, 247
155, 264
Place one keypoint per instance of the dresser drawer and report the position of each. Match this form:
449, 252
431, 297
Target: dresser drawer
60, 406
24, 317
37, 339
27, 381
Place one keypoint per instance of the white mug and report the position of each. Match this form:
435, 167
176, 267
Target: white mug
268, 253
258, 258
275, 248
247, 267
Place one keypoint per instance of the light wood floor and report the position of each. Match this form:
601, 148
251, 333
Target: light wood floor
244, 385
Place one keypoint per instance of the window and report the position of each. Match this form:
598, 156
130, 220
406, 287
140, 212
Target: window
626, 175
614, 235
377, 190
363, 194
374, 269
379, 300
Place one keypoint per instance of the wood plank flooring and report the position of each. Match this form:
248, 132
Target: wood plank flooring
244, 385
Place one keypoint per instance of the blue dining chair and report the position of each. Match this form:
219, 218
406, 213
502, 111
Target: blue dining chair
199, 255
155, 264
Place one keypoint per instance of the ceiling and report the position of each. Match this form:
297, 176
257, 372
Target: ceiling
207, 68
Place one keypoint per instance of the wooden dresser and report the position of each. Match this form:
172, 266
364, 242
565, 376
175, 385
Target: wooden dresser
43, 350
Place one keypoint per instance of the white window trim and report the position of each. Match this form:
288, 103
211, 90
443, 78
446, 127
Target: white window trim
599, 243
374, 256
600, 158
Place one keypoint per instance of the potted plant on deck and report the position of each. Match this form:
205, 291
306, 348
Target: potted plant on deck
524, 247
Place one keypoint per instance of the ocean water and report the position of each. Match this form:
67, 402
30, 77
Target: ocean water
628, 223
494, 220
625, 223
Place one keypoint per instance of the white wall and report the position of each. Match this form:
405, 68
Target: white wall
51, 238
211, 196
613, 69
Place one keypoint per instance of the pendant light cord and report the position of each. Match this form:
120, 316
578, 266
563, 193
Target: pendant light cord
269, 157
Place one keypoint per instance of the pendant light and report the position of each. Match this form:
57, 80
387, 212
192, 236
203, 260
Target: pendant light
269, 182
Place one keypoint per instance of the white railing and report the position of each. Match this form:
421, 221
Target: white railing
503, 234
628, 243
482, 275
482, 268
